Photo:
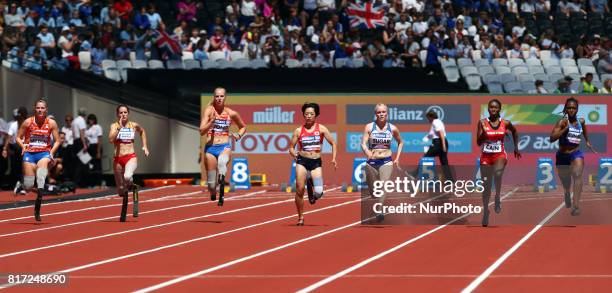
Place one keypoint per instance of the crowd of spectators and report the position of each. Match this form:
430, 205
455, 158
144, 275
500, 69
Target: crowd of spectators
38, 34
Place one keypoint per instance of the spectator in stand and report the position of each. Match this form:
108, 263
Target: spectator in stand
124, 9
432, 63
11, 18
587, 84
599, 6
200, 52
539, 88
141, 20
607, 87
187, 10
563, 87
154, 18
575, 6
34, 62
47, 41
604, 65
248, 10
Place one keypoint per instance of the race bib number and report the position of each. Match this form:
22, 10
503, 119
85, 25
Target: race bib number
492, 147
126, 134
38, 141
574, 139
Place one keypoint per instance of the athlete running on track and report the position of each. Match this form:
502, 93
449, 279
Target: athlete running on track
376, 145
216, 121
34, 138
122, 135
569, 158
493, 160
308, 171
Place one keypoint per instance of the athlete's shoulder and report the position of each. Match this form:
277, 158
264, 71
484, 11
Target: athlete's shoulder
322, 128
27, 122
52, 123
582, 121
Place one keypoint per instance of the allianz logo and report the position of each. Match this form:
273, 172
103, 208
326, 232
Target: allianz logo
273, 115
537, 142
398, 114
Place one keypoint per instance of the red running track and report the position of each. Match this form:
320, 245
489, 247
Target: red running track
252, 244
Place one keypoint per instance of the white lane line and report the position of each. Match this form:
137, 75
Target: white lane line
261, 253
233, 198
175, 196
84, 199
354, 276
195, 239
126, 231
475, 283
363, 263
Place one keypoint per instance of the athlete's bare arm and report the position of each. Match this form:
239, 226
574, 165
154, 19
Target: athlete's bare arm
21, 133
560, 128
207, 120
509, 126
114, 131
55, 134
294, 139
239, 122
332, 142
400, 143
143, 136
364, 141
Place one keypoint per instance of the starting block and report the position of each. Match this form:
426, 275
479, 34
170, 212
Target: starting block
603, 183
287, 188
545, 176
258, 179
350, 188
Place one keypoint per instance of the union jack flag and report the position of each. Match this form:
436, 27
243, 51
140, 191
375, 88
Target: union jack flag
164, 41
366, 15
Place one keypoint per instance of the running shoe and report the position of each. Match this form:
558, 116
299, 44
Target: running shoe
568, 200
300, 222
485, 218
380, 217
19, 188
497, 205
39, 196
575, 211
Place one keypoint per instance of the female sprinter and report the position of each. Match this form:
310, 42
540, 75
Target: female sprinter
570, 159
490, 138
122, 134
216, 121
376, 145
308, 171
37, 151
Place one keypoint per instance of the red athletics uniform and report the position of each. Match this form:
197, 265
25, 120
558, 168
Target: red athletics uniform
221, 124
125, 136
310, 141
38, 139
493, 146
